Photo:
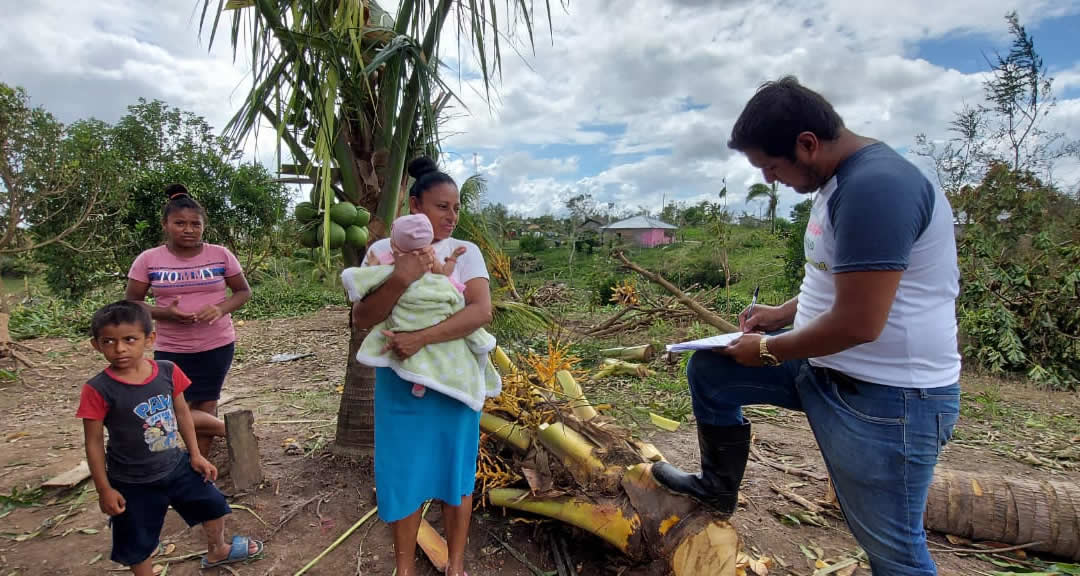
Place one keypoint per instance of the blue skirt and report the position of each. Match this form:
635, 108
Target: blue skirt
425, 448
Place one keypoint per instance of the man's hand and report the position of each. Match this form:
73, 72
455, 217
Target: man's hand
112, 502
403, 344
764, 319
176, 315
205, 469
746, 350
209, 314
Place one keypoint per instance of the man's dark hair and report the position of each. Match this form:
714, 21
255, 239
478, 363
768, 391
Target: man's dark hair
121, 312
778, 113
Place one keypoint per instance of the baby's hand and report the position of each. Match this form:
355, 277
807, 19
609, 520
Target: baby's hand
447, 267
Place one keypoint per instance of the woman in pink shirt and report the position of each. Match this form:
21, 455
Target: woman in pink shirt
192, 309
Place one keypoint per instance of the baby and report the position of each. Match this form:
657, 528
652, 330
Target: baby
409, 234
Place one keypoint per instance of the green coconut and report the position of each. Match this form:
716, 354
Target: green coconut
337, 235
343, 213
309, 237
306, 212
362, 216
356, 236
316, 197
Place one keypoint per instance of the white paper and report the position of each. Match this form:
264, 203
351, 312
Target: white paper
718, 341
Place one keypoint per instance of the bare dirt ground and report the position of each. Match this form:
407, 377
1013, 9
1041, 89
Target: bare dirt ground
310, 497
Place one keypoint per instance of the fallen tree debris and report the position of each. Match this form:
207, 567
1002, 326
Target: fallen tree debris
338, 542
72, 477
642, 353
705, 314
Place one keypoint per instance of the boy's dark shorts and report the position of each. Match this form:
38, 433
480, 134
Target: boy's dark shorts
206, 370
136, 532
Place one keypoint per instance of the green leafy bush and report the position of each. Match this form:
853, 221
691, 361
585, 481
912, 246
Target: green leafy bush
794, 254
1019, 257
532, 244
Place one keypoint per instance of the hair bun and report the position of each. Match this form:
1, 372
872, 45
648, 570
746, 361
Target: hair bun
422, 165
174, 190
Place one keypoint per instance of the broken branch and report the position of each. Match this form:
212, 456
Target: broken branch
702, 312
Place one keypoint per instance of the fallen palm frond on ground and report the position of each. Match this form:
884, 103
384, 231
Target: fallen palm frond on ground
546, 451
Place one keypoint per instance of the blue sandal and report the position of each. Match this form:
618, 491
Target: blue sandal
238, 552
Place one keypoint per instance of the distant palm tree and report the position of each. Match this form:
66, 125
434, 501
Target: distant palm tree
760, 190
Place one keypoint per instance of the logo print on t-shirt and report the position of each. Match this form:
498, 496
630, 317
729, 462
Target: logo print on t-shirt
159, 423
192, 275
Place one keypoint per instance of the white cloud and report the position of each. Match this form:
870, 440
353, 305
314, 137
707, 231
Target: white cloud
669, 79
631, 101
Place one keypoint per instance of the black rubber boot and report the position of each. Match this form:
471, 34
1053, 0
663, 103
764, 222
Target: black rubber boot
724, 450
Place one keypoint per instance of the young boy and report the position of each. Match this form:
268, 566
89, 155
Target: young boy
141, 403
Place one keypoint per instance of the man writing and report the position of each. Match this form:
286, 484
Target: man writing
872, 356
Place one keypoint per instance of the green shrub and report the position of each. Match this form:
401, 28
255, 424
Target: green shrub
51, 317
602, 286
532, 244
274, 295
289, 295
794, 253
1019, 256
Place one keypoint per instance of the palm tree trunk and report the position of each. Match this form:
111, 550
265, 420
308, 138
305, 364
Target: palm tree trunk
355, 434
356, 414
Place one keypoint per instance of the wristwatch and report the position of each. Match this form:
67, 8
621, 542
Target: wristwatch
767, 358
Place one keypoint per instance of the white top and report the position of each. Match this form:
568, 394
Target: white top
469, 265
880, 213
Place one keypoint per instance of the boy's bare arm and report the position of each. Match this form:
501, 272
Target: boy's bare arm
111, 502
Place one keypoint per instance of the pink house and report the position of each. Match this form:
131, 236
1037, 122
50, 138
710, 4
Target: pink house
644, 231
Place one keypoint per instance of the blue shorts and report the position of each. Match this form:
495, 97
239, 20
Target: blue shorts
206, 370
136, 532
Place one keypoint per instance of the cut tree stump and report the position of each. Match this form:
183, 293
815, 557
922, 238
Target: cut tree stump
244, 467
70, 478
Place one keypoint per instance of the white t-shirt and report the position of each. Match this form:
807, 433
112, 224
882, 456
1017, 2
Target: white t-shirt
879, 212
469, 265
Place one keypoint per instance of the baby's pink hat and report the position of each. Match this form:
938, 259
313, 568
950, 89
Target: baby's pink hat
411, 232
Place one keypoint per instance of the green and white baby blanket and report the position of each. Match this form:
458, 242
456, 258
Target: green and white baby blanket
460, 368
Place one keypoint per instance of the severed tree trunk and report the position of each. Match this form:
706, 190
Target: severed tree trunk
1009, 510
355, 434
584, 470
356, 413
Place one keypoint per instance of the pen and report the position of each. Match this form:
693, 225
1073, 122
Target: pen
753, 302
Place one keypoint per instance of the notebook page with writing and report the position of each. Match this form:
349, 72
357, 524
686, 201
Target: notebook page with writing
718, 341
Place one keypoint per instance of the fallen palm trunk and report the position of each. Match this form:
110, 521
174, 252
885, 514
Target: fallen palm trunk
433, 545
585, 471
613, 367
1009, 510
706, 315
642, 353
582, 408
508, 433
646, 523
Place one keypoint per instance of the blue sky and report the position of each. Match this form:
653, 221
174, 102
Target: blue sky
631, 102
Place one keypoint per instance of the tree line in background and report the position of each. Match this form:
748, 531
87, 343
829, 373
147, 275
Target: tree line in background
81, 200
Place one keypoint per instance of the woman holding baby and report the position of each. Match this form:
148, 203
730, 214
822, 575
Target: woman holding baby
425, 443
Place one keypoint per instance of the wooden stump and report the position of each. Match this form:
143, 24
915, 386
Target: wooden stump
244, 467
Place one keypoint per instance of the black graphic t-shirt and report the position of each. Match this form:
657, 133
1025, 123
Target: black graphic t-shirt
144, 439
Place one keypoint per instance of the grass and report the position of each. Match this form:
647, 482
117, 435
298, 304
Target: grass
283, 289
755, 258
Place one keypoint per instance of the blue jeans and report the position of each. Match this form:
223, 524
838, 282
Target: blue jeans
880, 443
